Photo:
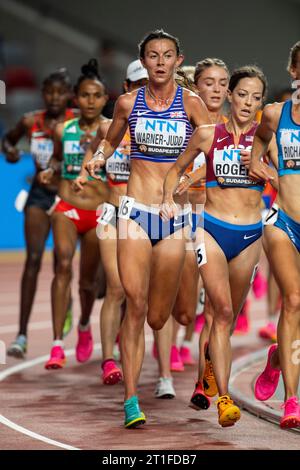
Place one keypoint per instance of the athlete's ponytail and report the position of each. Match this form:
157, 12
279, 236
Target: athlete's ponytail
184, 78
89, 71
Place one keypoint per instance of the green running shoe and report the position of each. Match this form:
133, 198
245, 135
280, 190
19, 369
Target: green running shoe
68, 325
134, 417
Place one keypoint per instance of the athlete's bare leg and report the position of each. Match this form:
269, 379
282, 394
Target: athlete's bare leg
65, 238
110, 315
89, 262
227, 286
37, 227
285, 264
134, 261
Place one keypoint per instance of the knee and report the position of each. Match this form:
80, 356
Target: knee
115, 293
156, 323
33, 261
291, 303
184, 318
223, 317
64, 265
136, 307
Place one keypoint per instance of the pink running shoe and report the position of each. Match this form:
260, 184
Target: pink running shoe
291, 416
57, 358
260, 285
242, 324
176, 364
199, 401
84, 347
186, 356
199, 322
111, 373
268, 332
267, 381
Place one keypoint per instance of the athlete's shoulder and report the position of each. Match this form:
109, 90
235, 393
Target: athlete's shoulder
190, 96
31, 117
70, 125
272, 111
126, 101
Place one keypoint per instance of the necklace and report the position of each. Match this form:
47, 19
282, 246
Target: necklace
161, 101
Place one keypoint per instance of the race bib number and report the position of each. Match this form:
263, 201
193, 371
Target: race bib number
41, 149
228, 169
160, 136
119, 165
201, 254
126, 207
199, 161
272, 215
290, 147
107, 214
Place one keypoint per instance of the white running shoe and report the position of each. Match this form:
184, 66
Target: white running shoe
164, 388
18, 347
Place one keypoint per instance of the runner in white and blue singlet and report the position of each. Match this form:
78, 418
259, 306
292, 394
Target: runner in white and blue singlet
150, 254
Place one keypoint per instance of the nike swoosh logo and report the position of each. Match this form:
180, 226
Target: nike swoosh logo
223, 138
141, 113
250, 236
178, 224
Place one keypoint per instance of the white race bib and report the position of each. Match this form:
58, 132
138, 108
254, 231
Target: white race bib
42, 150
126, 206
160, 136
290, 147
228, 169
108, 212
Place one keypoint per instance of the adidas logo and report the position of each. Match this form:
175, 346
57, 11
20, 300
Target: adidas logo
72, 214
71, 130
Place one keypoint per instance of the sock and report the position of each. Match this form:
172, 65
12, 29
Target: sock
187, 344
84, 327
58, 342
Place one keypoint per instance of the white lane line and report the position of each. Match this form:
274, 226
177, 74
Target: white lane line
34, 435
31, 363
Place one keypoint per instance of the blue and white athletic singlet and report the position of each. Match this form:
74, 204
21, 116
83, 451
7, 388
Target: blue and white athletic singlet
288, 142
158, 136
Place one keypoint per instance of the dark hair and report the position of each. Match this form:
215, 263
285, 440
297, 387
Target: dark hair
89, 71
248, 71
158, 34
60, 75
292, 62
206, 63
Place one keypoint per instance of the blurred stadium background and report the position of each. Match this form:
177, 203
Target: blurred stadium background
39, 36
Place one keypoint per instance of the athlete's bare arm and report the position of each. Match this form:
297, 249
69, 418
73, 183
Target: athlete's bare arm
82, 178
262, 139
54, 165
12, 137
115, 133
200, 141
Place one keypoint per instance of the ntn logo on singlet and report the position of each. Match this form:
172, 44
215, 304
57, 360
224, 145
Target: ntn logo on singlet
228, 169
290, 147
73, 147
41, 150
160, 132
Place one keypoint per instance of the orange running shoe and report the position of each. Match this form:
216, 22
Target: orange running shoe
209, 381
228, 412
